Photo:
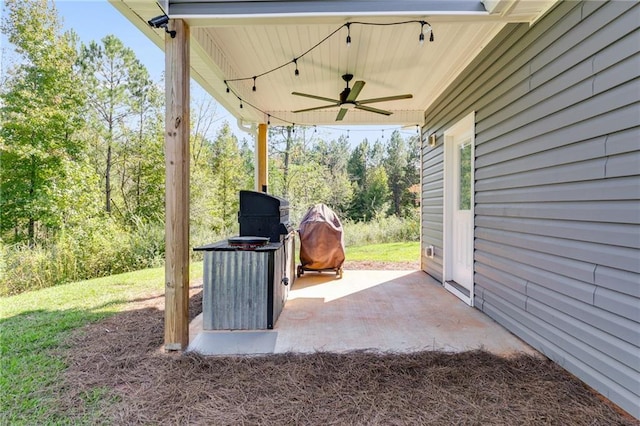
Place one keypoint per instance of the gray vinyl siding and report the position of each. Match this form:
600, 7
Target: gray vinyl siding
557, 188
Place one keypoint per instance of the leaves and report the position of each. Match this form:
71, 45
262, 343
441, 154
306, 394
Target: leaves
40, 116
81, 151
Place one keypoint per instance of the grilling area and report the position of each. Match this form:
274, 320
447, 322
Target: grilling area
253, 303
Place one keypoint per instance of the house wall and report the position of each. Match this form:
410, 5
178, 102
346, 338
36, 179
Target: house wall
557, 188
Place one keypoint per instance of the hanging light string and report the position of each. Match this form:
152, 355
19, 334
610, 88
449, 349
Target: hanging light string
347, 25
270, 116
402, 129
293, 61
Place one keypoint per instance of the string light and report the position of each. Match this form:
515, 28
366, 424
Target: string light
430, 29
297, 71
295, 60
348, 25
269, 116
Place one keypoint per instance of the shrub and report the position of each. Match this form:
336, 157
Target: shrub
381, 230
99, 248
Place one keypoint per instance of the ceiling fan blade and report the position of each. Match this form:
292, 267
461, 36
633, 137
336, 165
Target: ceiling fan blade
316, 108
341, 114
321, 98
387, 98
376, 110
355, 91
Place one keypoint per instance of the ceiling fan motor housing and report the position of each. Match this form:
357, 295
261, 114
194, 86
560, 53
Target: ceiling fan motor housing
344, 94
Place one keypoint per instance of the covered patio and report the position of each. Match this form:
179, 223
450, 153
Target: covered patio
285, 63
380, 311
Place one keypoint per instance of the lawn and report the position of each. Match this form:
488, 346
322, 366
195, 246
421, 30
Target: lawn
33, 326
389, 252
117, 375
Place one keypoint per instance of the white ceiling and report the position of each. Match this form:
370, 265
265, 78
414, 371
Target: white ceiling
388, 58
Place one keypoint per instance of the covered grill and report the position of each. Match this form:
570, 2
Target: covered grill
321, 241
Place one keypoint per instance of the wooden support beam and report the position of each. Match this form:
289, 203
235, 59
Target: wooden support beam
177, 253
263, 162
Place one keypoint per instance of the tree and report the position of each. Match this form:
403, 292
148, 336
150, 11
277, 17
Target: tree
334, 156
142, 165
395, 163
227, 165
121, 89
40, 115
411, 195
370, 180
248, 162
204, 115
288, 146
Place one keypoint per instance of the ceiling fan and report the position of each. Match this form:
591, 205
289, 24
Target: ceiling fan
348, 100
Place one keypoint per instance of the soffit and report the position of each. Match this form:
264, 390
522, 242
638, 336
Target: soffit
236, 39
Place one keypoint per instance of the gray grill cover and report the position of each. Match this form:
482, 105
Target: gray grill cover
321, 239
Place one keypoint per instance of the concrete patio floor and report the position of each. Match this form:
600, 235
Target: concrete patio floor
398, 311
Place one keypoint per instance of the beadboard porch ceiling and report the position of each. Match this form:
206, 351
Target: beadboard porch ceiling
236, 39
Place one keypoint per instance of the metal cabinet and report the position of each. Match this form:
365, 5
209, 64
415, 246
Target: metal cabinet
246, 289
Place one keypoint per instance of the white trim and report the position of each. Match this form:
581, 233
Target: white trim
304, 8
463, 128
320, 14
460, 295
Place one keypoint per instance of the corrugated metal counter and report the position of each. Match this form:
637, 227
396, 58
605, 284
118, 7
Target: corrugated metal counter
246, 289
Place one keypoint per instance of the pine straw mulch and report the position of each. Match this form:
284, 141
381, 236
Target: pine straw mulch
142, 385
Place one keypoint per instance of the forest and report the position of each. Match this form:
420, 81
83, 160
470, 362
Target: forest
82, 163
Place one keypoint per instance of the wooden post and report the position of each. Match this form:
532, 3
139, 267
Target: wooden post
177, 253
263, 164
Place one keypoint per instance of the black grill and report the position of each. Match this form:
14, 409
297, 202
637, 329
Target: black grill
263, 215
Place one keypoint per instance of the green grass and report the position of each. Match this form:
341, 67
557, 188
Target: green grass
34, 324
388, 252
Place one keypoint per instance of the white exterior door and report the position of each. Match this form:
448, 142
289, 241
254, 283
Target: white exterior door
458, 238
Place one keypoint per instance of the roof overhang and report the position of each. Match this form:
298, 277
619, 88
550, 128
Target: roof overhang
239, 39
314, 8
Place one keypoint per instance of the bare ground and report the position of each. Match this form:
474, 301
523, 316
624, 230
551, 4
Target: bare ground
139, 384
